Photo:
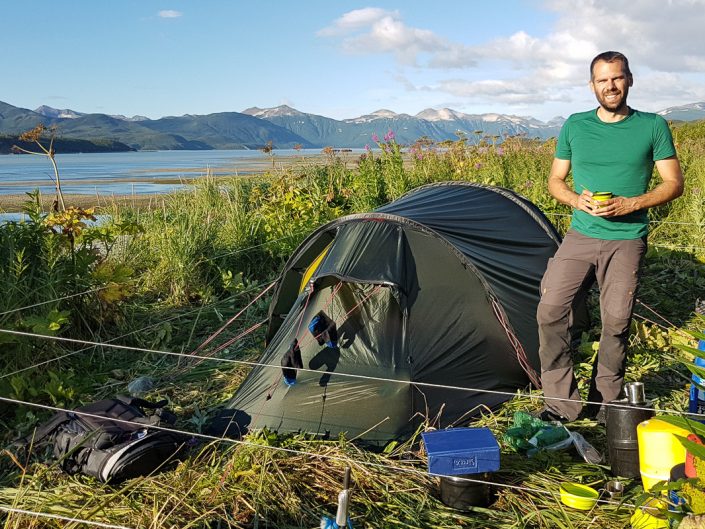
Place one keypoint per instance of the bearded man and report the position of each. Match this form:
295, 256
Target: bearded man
611, 151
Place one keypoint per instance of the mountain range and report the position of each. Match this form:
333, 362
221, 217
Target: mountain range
285, 127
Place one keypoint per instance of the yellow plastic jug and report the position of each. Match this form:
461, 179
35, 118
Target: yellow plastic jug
659, 450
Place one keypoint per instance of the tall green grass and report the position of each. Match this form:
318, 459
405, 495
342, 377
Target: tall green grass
176, 271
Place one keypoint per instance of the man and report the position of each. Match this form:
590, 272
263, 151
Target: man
610, 149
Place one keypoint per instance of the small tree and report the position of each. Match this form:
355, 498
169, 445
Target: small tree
35, 136
269, 150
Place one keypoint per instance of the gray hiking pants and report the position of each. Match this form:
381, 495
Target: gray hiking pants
615, 265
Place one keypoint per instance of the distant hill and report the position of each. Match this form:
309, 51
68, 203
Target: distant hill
14, 120
57, 113
65, 146
438, 125
226, 130
692, 112
72, 114
287, 127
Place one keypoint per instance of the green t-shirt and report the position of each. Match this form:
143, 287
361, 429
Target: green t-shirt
617, 157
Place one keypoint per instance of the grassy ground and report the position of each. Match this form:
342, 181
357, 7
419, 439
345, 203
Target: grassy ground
163, 278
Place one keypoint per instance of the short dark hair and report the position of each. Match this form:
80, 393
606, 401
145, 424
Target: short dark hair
611, 56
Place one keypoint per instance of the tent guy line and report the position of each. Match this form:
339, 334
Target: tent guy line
231, 320
304, 369
292, 451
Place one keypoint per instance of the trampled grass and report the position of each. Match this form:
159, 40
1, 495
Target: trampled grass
200, 256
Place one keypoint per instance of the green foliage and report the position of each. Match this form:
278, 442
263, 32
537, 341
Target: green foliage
58, 388
193, 237
694, 490
170, 275
48, 324
369, 189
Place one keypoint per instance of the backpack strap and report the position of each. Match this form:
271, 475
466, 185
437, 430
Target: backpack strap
141, 403
45, 430
161, 415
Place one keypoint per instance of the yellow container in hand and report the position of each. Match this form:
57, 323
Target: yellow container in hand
602, 195
659, 450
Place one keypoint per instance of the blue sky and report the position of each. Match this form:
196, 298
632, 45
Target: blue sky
344, 59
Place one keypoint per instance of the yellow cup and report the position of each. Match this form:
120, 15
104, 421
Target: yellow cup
601, 196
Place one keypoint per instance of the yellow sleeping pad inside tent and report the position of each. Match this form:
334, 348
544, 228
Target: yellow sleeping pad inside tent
313, 267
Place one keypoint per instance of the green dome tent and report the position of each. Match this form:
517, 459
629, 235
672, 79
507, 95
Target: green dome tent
430, 294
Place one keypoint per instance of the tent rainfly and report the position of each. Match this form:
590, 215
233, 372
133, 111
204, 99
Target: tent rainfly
422, 309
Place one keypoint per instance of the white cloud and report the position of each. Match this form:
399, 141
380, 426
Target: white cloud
374, 30
353, 20
169, 13
665, 43
522, 91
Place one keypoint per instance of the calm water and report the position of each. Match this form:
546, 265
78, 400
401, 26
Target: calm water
131, 172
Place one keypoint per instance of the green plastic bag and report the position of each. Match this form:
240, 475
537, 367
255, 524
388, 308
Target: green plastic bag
530, 434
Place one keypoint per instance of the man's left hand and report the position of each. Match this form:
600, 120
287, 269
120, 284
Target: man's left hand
615, 207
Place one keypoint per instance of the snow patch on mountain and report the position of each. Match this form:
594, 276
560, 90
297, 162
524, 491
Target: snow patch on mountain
281, 110
62, 113
377, 114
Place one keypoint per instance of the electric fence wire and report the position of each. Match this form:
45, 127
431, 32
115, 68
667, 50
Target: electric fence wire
103, 287
292, 235
141, 329
665, 246
298, 452
254, 247
63, 298
240, 250
249, 363
9, 509
311, 454
668, 222
293, 451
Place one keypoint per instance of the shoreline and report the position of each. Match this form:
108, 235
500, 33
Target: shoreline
12, 203
257, 166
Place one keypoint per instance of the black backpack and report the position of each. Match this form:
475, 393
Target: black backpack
112, 450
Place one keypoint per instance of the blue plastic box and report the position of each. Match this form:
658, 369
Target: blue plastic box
696, 403
461, 451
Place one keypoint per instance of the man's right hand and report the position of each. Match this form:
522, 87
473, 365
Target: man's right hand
584, 202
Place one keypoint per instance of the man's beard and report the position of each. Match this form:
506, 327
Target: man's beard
613, 105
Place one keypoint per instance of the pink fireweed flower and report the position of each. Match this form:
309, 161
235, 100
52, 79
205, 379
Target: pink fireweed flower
499, 151
375, 138
416, 151
367, 147
389, 136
